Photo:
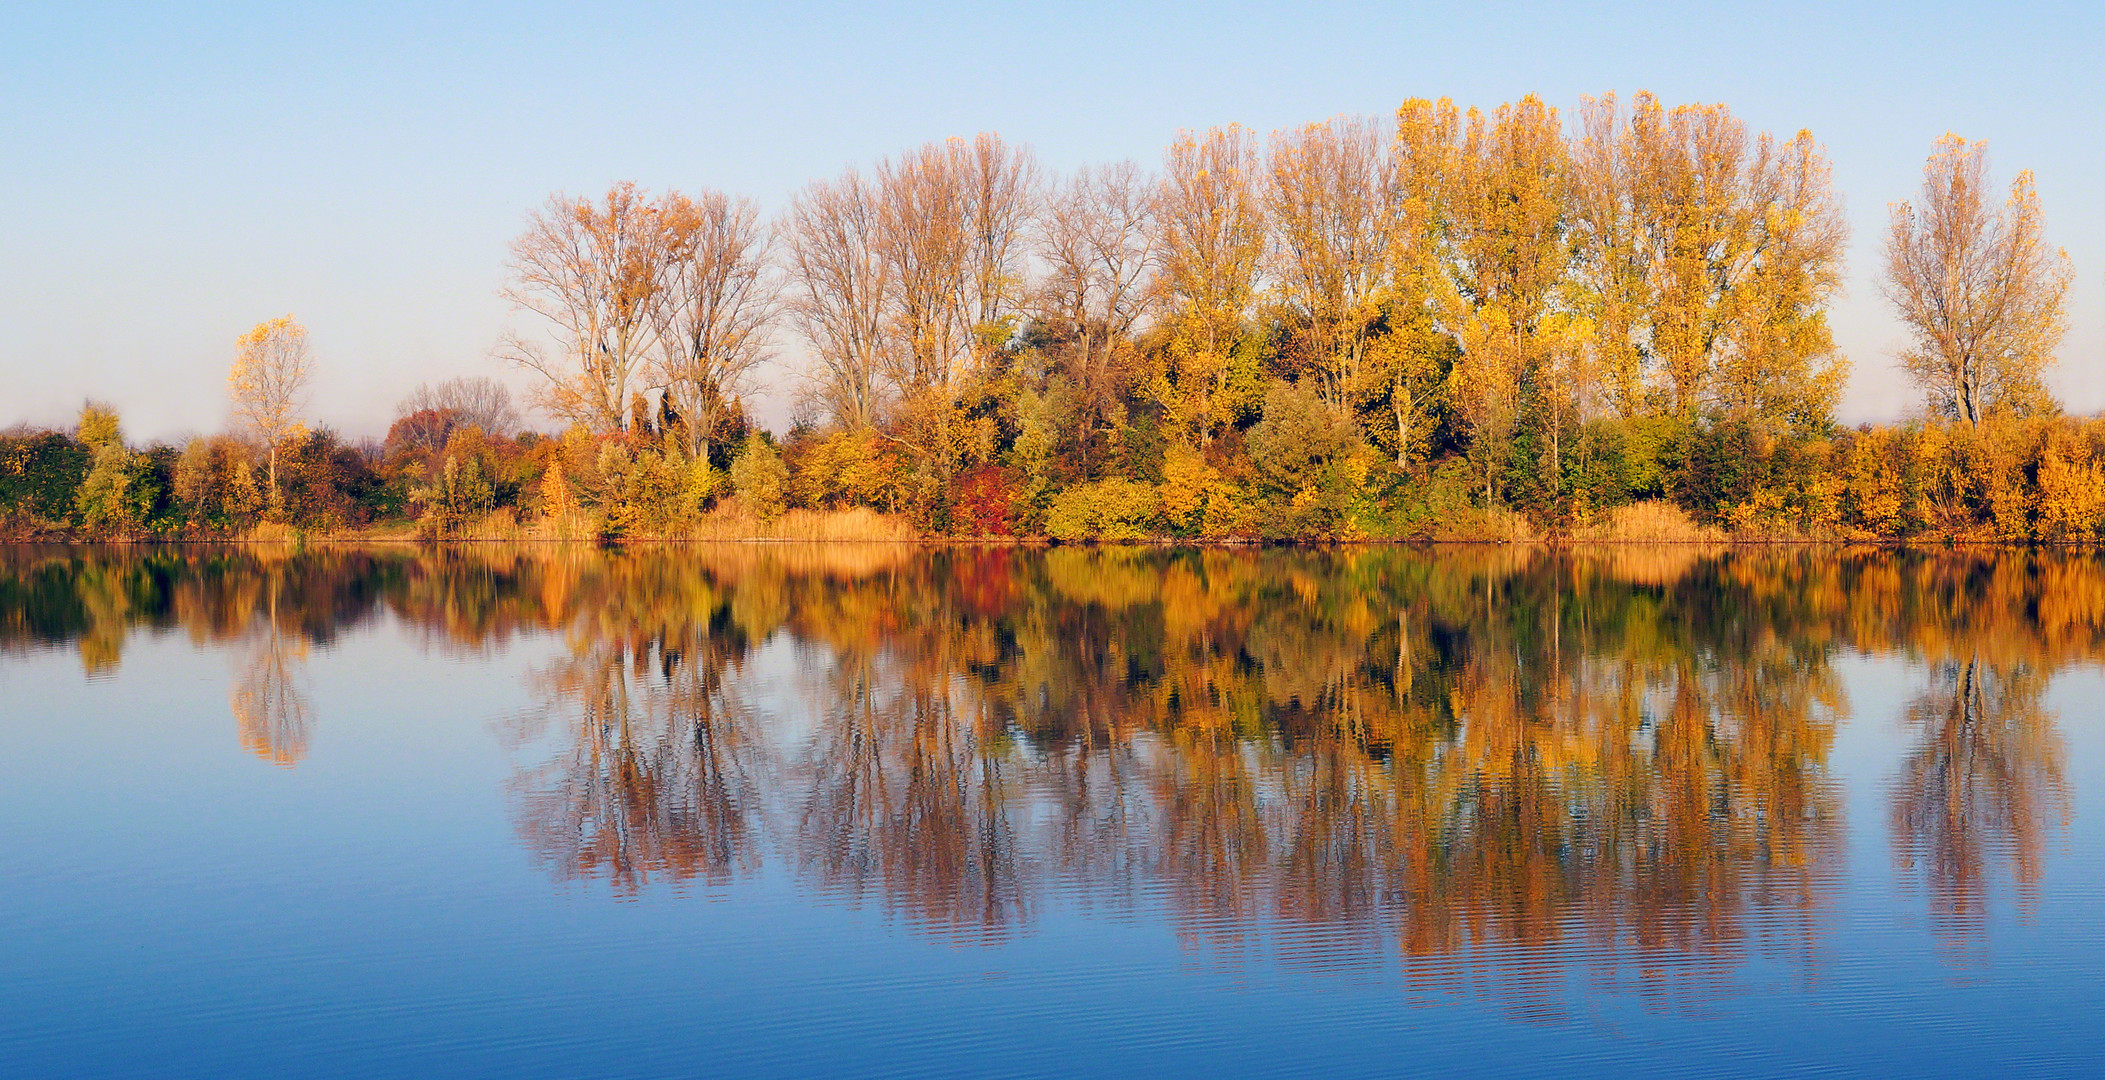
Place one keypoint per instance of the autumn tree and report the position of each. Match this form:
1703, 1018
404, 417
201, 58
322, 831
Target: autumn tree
1211, 221
923, 241
908, 286
760, 478
837, 301
953, 227
1098, 243
952, 220
1417, 357
1978, 287
1330, 198
1003, 196
1503, 225
272, 366
1612, 256
1293, 448
1411, 361
715, 309
1706, 260
593, 273
109, 494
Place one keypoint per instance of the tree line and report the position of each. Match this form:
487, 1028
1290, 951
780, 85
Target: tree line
1441, 323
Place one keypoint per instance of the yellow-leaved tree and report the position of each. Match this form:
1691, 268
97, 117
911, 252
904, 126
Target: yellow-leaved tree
1211, 220
1506, 255
272, 366
1706, 258
1977, 286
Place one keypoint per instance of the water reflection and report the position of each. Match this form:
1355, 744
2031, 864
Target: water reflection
1503, 769
907, 794
1983, 785
646, 772
271, 711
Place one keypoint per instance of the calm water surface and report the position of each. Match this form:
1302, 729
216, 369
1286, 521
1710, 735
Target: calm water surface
749, 810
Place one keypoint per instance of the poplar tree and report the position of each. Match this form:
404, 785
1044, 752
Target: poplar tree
1978, 287
272, 367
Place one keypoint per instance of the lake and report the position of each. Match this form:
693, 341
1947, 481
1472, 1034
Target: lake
875, 810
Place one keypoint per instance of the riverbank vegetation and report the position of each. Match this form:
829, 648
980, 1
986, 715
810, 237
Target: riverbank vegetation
1445, 324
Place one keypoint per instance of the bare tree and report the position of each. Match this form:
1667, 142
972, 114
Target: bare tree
481, 401
272, 366
952, 223
1002, 197
716, 308
1978, 287
1333, 224
838, 302
595, 274
1098, 243
923, 237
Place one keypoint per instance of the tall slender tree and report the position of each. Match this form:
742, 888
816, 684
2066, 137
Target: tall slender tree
594, 274
1418, 355
1100, 250
272, 367
837, 301
1212, 228
1507, 256
716, 308
1331, 198
953, 221
1978, 286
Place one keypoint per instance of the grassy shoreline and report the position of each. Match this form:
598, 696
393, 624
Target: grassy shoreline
392, 538
1636, 524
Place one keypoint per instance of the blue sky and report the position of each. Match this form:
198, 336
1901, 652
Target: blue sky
173, 175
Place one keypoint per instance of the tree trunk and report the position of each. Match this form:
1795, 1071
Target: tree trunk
1401, 404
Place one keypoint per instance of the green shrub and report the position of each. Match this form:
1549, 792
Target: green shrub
39, 474
459, 498
760, 478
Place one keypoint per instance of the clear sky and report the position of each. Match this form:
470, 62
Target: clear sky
173, 175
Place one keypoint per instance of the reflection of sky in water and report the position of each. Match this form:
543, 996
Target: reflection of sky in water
174, 904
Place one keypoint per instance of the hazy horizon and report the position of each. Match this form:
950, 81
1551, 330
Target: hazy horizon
177, 177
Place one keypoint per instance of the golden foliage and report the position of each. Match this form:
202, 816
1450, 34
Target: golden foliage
1979, 288
1653, 521
272, 367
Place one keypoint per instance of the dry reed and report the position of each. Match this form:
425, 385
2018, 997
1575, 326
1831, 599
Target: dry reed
1654, 521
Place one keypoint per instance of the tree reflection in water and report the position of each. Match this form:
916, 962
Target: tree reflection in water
903, 795
1501, 769
1983, 786
649, 773
271, 712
